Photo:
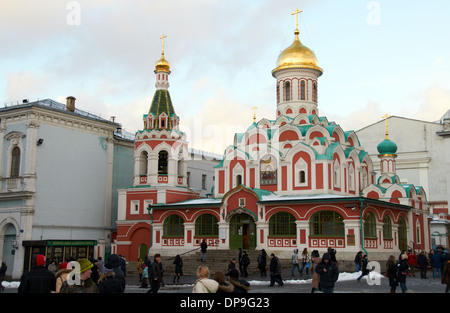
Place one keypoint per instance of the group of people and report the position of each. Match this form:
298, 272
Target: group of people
75, 276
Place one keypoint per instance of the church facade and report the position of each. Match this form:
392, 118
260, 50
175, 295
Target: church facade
296, 180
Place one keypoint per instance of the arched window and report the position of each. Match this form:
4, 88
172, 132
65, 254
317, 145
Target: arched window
370, 226
287, 91
302, 90
387, 227
162, 162
278, 93
15, 162
143, 162
173, 226
402, 234
282, 224
302, 177
314, 92
327, 223
206, 226
238, 180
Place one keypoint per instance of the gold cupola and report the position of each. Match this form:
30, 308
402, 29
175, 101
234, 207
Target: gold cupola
162, 65
297, 55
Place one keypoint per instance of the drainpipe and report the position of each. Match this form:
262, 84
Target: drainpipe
361, 227
150, 210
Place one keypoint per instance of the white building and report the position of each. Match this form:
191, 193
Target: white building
423, 157
58, 174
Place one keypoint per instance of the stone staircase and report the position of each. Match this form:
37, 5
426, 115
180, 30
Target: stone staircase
216, 260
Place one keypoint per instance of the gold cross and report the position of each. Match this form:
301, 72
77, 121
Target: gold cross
386, 118
254, 113
297, 11
163, 43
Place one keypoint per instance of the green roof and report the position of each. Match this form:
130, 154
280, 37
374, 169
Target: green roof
162, 103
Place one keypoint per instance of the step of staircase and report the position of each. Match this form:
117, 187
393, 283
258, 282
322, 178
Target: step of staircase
216, 260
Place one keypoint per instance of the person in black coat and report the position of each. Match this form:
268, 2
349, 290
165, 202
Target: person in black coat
38, 280
245, 263
391, 272
108, 282
203, 247
364, 270
262, 262
178, 268
422, 262
240, 285
275, 271
115, 262
328, 272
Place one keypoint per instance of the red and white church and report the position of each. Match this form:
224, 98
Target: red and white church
294, 181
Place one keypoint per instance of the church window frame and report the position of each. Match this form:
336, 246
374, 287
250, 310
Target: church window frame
206, 225
337, 174
314, 92
301, 168
327, 224
268, 170
302, 90
370, 225
282, 224
163, 162
173, 226
287, 91
387, 227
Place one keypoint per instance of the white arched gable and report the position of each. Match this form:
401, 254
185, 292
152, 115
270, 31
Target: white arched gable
391, 189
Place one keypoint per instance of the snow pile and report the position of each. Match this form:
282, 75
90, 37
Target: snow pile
13, 284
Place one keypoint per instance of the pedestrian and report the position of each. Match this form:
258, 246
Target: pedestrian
108, 282
144, 281
155, 274
275, 271
422, 262
358, 260
446, 275
412, 260
61, 276
2, 275
329, 273
140, 268
315, 259
262, 263
239, 285
364, 270
436, 263
84, 283
101, 265
240, 261
204, 284
52, 267
95, 270
332, 252
403, 271
203, 247
232, 265
178, 268
114, 261
224, 285
245, 263
123, 265
305, 262
294, 261
391, 273
39, 279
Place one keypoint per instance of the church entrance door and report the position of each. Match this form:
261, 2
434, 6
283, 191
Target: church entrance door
242, 232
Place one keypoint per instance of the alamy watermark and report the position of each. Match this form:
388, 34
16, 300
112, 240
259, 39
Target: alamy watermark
73, 17
374, 16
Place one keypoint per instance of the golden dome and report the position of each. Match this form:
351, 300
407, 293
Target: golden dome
162, 65
297, 56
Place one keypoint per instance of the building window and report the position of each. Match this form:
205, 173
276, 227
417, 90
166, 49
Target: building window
402, 234
302, 177
173, 226
302, 90
242, 202
287, 91
238, 180
314, 92
15, 162
282, 224
134, 207
327, 224
162, 162
206, 225
370, 226
387, 227
188, 179
204, 182
143, 163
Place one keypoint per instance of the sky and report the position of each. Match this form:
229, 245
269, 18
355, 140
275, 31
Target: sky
379, 57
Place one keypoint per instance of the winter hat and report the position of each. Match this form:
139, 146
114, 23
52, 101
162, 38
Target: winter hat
40, 260
326, 256
84, 265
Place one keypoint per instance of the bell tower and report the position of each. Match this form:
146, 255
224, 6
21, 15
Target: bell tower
297, 74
